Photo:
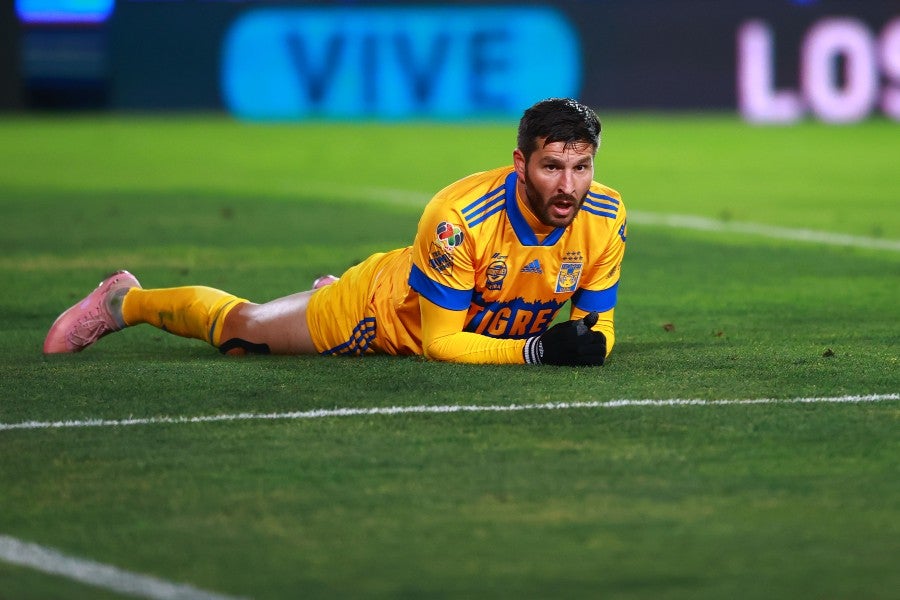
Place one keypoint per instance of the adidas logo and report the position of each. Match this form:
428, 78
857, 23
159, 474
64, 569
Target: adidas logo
533, 267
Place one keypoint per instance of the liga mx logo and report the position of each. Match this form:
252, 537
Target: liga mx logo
449, 236
567, 280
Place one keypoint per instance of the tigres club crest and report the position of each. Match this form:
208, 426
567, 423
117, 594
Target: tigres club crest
449, 236
567, 280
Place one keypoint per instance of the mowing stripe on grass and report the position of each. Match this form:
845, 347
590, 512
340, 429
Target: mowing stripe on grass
53, 562
450, 408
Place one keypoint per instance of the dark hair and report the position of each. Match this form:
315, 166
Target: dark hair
558, 120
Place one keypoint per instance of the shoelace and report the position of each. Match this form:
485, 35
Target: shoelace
89, 329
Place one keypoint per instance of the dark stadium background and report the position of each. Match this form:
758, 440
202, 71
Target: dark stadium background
635, 55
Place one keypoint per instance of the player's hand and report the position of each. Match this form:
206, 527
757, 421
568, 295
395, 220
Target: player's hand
569, 343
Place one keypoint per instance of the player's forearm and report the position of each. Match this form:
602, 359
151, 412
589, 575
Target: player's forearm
472, 348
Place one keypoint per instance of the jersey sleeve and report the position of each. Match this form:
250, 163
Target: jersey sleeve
443, 339
443, 257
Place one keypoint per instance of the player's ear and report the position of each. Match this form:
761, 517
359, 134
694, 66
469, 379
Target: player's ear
519, 163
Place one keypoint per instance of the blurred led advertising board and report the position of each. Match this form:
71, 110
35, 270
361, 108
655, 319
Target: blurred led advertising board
773, 61
62, 52
64, 11
396, 62
846, 70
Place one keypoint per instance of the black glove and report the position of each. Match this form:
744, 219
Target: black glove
569, 343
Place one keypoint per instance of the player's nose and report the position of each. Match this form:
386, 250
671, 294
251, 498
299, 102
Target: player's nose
567, 182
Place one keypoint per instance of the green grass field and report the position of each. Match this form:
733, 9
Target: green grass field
770, 500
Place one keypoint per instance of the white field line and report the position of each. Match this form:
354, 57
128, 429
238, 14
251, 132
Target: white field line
439, 409
769, 231
53, 562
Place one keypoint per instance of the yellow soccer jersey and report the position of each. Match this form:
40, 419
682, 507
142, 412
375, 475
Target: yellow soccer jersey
478, 248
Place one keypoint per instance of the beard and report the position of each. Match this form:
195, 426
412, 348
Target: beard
557, 211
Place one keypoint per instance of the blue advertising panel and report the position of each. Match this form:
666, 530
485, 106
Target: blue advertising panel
64, 11
397, 62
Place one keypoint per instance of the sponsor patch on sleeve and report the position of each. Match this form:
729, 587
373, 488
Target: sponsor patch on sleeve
447, 237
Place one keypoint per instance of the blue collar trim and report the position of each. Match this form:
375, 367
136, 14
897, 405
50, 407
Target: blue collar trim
525, 234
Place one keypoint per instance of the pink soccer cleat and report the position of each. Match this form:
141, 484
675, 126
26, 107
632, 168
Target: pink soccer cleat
90, 319
323, 281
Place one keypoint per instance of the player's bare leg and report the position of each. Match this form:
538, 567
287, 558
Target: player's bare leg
276, 327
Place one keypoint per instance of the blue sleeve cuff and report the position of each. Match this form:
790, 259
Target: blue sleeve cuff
442, 295
599, 301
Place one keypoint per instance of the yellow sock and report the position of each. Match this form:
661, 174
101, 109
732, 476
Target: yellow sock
192, 311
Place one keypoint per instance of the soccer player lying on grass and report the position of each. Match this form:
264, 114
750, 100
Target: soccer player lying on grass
495, 257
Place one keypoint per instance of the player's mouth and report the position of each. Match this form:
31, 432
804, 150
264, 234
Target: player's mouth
562, 207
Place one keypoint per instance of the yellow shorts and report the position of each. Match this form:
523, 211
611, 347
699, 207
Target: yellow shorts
370, 309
